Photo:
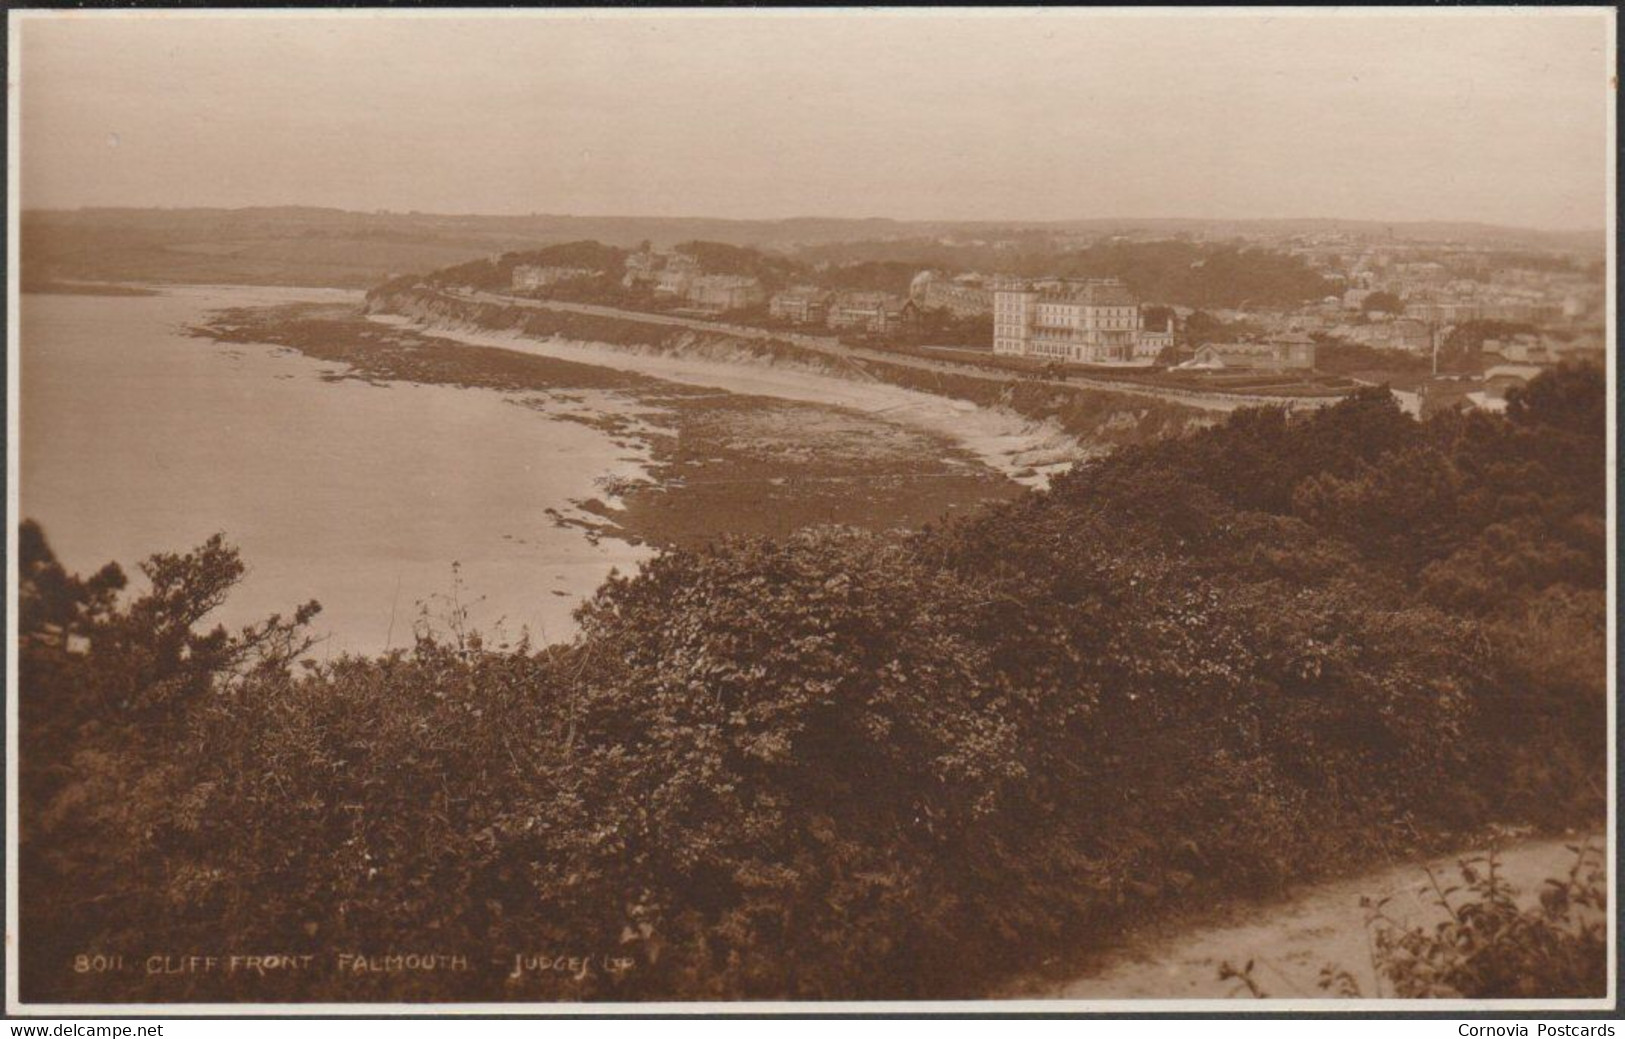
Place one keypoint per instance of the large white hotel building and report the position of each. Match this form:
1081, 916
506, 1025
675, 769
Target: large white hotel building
1087, 321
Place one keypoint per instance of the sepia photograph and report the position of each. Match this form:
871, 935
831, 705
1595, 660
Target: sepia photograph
1019, 510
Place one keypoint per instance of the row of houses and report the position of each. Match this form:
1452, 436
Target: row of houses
875, 313
680, 275
1087, 321
1406, 334
1455, 312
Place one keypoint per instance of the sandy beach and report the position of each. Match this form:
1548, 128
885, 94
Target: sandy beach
1021, 448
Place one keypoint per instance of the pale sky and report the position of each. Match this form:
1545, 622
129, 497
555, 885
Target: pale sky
1499, 116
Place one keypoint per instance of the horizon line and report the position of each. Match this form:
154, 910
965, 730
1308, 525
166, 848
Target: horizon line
993, 222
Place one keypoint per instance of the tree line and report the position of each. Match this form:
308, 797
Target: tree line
1171, 272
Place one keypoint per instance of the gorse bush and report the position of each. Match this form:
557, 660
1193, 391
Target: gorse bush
844, 765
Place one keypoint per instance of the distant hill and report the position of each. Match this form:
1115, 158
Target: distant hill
297, 245
1467, 233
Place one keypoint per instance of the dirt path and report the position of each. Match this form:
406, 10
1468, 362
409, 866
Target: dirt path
1289, 941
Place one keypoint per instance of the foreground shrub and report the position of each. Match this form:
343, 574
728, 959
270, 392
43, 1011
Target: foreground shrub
1488, 946
843, 765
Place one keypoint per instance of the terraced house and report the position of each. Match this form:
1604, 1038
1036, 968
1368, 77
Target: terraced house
877, 313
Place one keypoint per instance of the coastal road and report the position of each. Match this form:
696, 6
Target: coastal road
852, 356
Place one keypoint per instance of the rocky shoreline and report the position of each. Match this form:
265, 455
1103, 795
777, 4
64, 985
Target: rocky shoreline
708, 462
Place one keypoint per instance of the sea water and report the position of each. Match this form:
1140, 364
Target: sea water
137, 438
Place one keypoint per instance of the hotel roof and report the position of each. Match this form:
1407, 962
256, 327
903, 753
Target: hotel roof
1095, 292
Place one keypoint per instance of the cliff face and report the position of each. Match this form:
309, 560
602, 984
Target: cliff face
1096, 418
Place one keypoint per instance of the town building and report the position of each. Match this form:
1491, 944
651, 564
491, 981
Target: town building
1405, 334
723, 292
1444, 312
1289, 352
1514, 310
1150, 343
1085, 321
1520, 348
802, 306
877, 313
641, 267
669, 274
1498, 380
1526, 348
962, 296
680, 275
